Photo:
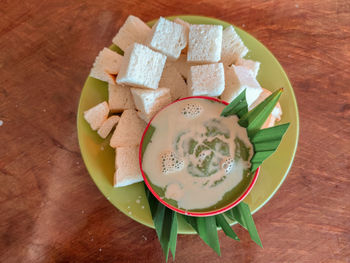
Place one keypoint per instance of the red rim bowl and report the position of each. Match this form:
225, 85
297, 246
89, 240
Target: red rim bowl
184, 212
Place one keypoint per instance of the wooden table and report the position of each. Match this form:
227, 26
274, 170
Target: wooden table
51, 211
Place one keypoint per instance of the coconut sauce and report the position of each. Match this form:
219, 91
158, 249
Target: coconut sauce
192, 153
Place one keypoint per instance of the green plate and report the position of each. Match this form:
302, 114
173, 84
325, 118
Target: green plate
131, 200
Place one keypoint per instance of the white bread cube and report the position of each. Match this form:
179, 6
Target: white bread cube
107, 126
133, 31
141, 67
239, 78
173, 80
97, 115
232, 86
252, 65
129, 130
168, 38
204, 43
207, 80
276, 113
127, 166
187, 30
233, 47
107, 63
149, 102
119, 98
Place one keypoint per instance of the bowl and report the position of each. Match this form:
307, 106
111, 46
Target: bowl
230, 199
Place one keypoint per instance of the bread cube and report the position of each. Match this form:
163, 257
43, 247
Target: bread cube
253, 66
168, 38
129, 130
97, 115
233, 47
127, 166
133, 31
204, 43
208, 80
141, 67
149, 102
107, 63
232, 86
173, 80
107, 126
276, 113
239, 78
187, 30
119, 98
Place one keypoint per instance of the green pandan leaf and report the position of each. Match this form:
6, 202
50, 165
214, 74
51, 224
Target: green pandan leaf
237, 107
270, 134
266, 146
192, 221
208, 232
254, 119
165, 223
173, 236
169, 232
234, 216
206, 229
269, 139
242, 213
265, 143
221, 222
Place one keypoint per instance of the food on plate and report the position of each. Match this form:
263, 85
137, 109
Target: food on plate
149, 102
187, 30
208, 80
127, 166
141, 67
133, 31
168, 38
239, 78
107, 126
97, 115
204, 43
252, 65
171, 60
128, 131
233, 47
202, 157
106, 64
119, 98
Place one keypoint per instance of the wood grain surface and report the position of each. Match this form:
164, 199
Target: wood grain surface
50, 209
